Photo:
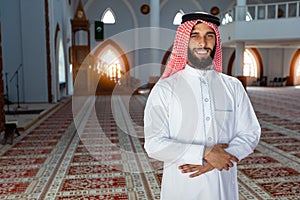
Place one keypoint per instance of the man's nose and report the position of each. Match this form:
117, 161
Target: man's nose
202, 41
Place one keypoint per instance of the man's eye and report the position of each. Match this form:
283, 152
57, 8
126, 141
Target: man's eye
193, 35
210, 36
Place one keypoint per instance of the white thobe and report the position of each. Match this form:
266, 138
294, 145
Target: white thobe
189, 111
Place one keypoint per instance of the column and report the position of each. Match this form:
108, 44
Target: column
239, 62
154, 13
241, 10
239, 58
154, 24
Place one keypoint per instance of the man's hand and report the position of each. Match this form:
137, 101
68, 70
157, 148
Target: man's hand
218, 157
198, 169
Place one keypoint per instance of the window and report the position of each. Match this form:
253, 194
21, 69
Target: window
250, 65
227, 18
248, 17
261, 12
177, 18
109, 64
292, 10
108, 17
251, 12
295, 69
61, 64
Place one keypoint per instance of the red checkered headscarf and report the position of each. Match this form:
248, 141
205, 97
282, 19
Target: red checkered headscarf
178, 59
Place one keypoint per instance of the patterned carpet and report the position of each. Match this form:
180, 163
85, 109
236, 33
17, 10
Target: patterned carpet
92, 148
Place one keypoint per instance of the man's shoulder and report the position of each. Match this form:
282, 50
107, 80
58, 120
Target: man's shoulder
232, 82
166, 85
229, 78
171, 79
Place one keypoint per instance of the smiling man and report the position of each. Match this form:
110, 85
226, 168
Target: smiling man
198, 121
201, 45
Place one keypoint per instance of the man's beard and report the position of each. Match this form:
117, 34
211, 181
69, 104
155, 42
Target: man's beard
199, 63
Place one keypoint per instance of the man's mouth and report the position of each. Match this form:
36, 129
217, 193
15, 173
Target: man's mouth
201, 51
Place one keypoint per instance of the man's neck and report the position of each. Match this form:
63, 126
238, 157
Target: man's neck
210, 67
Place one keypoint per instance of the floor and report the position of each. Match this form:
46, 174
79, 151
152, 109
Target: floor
25, 115
92, 148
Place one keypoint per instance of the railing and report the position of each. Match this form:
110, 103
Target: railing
264, 12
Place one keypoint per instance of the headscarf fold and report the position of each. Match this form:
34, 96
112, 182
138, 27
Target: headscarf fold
178, 58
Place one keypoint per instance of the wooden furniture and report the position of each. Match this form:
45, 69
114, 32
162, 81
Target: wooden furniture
80, 46
9, 132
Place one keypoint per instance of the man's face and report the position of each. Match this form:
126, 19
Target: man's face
201, 45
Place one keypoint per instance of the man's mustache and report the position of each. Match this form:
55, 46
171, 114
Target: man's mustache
207, 48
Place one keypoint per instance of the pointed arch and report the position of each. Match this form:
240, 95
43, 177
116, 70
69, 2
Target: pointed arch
57, 29
54, 76
259, 65
108, 16
255, 55
110, 64
59, 77
110, 44
295, 69
250, 64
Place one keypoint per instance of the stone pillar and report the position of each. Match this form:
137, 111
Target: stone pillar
239, 62
241, 10
239, 58
2, 103
154, 13
155, 37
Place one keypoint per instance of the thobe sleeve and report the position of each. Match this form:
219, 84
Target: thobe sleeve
247, 128
158, 142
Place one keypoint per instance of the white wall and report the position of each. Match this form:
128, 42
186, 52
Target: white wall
23, 36
277, 61
34, 50
273, 29
11, 43
24, 42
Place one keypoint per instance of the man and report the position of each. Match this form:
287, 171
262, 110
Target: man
198, 121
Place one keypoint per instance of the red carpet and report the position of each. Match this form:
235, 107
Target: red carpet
101, 156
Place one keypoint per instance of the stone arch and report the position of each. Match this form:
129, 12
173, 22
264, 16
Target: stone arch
105, 85
258, 60
293, 79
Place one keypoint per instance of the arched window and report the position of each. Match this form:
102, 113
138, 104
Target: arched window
108, 17
294, 76
177, 18
61, 63
253, 66
250, 64
248, 17
110, 67
109, 64
227, 18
